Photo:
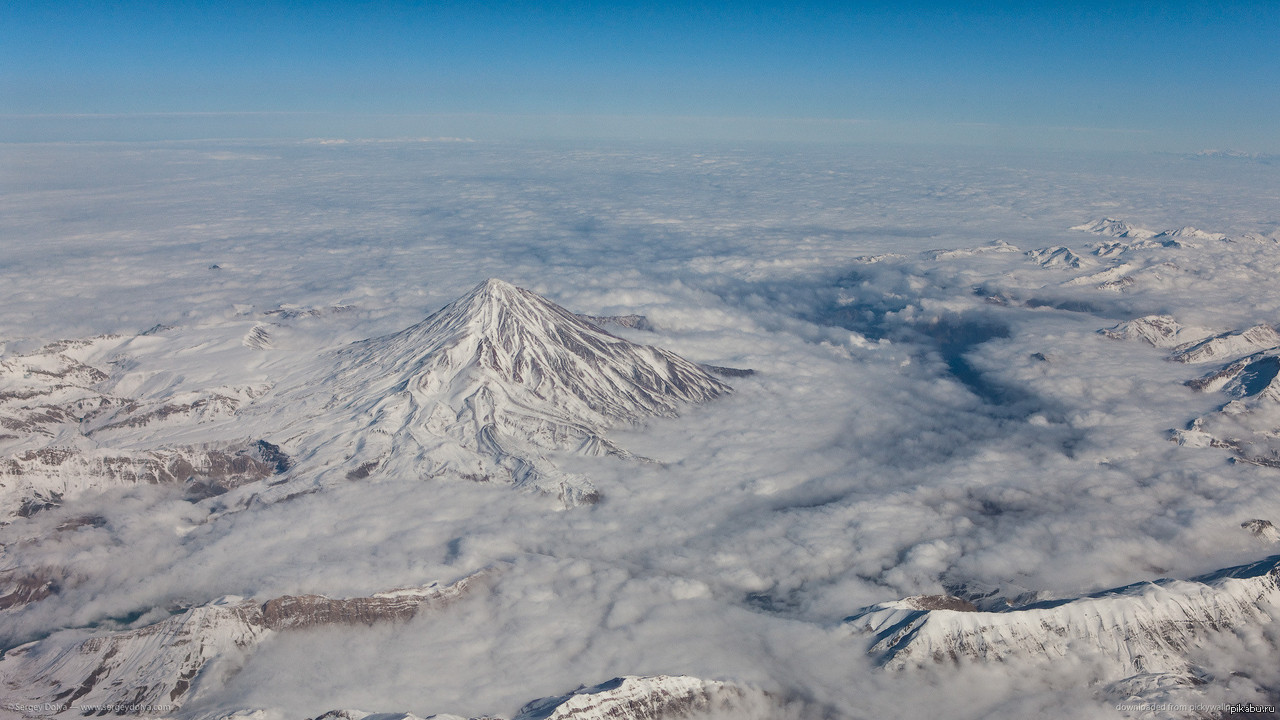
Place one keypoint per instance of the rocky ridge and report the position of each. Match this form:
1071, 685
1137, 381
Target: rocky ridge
1141, 635
65, 431
167, 663
659, 697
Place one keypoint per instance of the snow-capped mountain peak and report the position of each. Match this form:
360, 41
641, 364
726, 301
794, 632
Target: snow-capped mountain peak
487, 385
501, 334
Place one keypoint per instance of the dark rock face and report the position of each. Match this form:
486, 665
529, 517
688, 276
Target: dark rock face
37, 503
728, 371
364, 470
941, 602
18, 588
273, 455
290, 612
1262, 529
635, 322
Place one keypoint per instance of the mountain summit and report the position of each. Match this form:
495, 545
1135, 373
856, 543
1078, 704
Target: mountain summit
486, 385
499, 334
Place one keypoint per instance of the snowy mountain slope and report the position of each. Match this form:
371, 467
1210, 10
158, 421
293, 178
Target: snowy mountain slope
1113, 278
156, 665
1249, 424
1115, 249
65, 432
1187, 236
1130, 276
659, 697
259, 337
1060, 257
501, 334
37, 479
998, 246
1142, 628
185, 407
164, 664
1253, 376
642, 698
290, 326
45, 394
485, 387
1229, 344
1161, 331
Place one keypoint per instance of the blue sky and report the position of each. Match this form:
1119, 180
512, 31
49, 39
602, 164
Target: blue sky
1177, 77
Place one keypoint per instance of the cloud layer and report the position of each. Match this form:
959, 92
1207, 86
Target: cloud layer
933, 409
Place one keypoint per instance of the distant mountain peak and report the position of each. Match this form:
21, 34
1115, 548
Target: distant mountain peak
1113, 227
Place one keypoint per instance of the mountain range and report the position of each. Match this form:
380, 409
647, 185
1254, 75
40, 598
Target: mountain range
482, 390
